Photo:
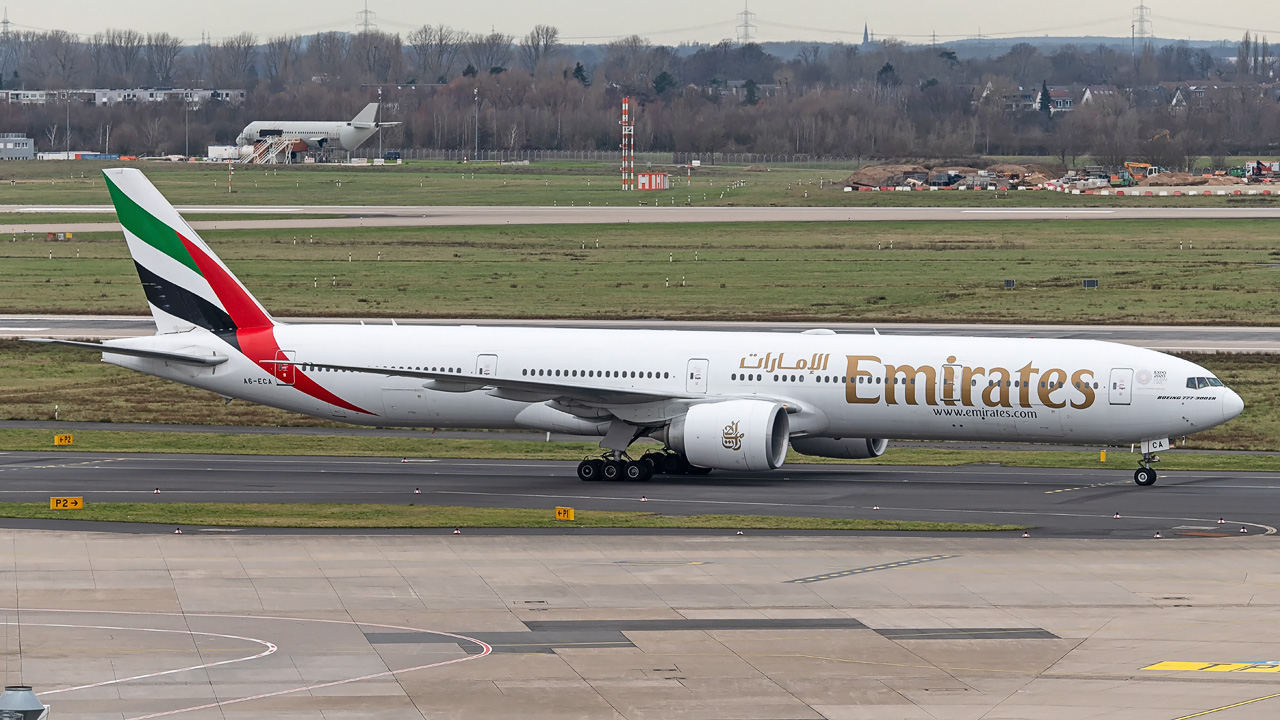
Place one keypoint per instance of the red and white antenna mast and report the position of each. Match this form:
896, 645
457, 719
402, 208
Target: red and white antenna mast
628, 147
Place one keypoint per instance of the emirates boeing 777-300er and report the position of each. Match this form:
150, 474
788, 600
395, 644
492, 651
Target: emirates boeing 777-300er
716, 400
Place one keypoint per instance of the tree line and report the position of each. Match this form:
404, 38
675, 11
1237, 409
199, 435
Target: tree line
877, 100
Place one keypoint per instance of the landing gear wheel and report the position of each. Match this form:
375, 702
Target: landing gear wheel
637, 471
611, 470
657, 461
1145, 476
589, 470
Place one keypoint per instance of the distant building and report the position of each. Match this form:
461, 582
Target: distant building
104, 97
16, 146
1097, 93
1060, 100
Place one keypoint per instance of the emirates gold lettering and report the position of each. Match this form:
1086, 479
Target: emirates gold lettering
947, 383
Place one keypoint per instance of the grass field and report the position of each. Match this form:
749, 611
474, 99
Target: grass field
447, 183
952, 272
301, 515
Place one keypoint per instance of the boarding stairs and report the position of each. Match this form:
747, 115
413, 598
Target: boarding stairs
270, 152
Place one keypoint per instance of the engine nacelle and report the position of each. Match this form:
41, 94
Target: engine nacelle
732, 435
842, 448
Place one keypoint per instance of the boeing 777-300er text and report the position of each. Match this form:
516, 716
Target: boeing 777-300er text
716, 400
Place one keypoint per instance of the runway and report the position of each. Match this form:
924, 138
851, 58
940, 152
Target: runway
23, 218
1058, 502
1170, 338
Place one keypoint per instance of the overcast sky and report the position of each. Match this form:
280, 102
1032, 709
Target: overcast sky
669, 21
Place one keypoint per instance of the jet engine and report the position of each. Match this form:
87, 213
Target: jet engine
842, 448
746, 435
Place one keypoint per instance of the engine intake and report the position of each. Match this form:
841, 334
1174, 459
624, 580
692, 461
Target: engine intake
842, 448
746, 435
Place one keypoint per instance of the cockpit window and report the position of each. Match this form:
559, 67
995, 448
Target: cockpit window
1214, 382
1196, 383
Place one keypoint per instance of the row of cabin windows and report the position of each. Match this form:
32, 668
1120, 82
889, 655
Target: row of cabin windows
863, 380
640, 374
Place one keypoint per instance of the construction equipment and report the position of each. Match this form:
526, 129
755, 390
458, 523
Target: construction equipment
1141, 170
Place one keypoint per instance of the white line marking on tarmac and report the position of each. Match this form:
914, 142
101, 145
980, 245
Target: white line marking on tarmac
486, 650
271, 649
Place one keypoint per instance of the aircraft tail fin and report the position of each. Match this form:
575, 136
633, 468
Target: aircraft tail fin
187, 286
366, 116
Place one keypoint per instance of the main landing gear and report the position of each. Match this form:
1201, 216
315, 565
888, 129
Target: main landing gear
1146, 475
615, 466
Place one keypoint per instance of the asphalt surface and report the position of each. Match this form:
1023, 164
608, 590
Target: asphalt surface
1058, 502
1157, 337
23, 218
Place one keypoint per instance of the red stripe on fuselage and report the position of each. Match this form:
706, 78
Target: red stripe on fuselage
260, 345
254, 330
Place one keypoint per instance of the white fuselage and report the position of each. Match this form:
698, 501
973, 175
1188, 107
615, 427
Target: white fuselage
839, 386
317, 135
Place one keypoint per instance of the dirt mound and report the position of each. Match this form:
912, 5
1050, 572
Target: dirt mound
1056, 171
755, 168
882, 175
1009, 169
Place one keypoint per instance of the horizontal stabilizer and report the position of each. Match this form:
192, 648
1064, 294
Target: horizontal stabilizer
133, 352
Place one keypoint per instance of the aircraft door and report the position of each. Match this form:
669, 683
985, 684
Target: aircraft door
1121, 389
487, 365
284, 374
949, 383
696, 378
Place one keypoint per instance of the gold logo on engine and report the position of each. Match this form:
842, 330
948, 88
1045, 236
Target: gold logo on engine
730, 438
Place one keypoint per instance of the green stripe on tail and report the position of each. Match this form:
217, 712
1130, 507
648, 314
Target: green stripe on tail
149, 228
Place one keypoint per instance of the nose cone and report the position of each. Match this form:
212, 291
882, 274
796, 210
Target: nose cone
1232, 405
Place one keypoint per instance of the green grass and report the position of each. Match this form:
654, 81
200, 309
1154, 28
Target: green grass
562, 183
109, 441
300, 515
813, 272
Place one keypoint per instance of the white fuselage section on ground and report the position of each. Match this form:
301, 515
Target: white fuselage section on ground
838, 386
317, 135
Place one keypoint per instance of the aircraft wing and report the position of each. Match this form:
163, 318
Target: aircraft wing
524, 390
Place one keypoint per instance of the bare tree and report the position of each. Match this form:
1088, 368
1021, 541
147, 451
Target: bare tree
377, 54
280, 57
433, 51
124, 48
541, 43
232, 61
487, 53
153, 133
328, 52
59, 56
162, 50
809, 55
99, 61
